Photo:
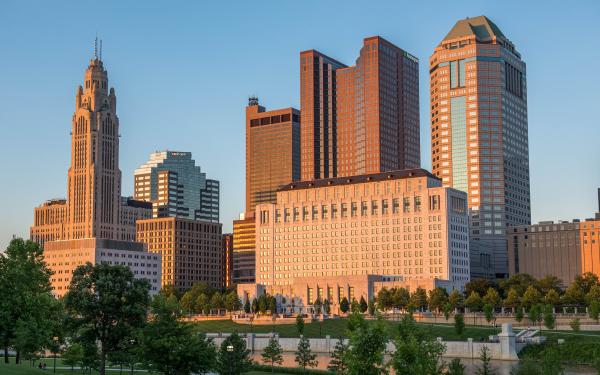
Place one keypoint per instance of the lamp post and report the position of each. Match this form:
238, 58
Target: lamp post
55, 340
131, 358
230, 350
273, 318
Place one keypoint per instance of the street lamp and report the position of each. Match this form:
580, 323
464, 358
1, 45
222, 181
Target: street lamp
55, 339
230, 350
131, 358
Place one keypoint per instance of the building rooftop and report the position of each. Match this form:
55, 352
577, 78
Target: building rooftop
383, 176
481, 27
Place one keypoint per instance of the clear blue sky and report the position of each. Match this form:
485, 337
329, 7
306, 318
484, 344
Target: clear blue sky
183, 71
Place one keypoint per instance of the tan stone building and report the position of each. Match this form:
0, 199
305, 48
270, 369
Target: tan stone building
64, 256
400, 224
95, 220
563, 249
191, 250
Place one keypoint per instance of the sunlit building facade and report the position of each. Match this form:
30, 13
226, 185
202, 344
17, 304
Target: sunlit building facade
479, 134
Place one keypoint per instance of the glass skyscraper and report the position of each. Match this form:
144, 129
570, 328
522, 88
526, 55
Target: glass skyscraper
479, 140
177, 187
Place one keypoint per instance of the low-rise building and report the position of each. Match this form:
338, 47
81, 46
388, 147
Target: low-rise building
191, 250
398, 225
64, 256
563, 249
244, 254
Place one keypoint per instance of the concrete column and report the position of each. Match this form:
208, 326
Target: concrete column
328, 343
250, 342
508, 342
470, 347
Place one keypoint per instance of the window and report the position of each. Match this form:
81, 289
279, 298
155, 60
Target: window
353, 209
324, 213
363, 208
310, 296
334, 211
315, 212
395, 205
406, 204
384, 207
374, 208
277, 215
344, 209
417, 204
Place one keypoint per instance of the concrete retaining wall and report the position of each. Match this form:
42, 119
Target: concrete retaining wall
505, 349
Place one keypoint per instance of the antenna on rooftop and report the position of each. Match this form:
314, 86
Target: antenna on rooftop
96, 48
100, 49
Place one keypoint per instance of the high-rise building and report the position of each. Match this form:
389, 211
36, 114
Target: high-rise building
318, 123
227, 258
244, 254
94, 224
479, 140
209, 201
360, 119
191, 250
177, 187
272, 152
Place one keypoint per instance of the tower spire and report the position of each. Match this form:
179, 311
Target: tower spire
96, 48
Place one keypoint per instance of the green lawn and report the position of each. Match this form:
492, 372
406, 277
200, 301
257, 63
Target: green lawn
25, 368
337, 328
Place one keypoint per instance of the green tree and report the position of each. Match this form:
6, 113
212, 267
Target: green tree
203, 304
447, 310
317, 305
486, 367
459, 324
492, 298
437, 299
519, 314
255, 306
247, 308
232, 302
385, 299
326, 307
479, 286
371, 307
263, 303
416, 352
400, 298
594, 310
531, 297
455, 299
354, 306
170, 290
574, 295
575, 324
535, 314
170, 346
367, 344
300, 324
73, 355
188, 303
106, 304
473, 302
272, 304
234, 356
272, 353
593, 294
419, 299
526, 367
25, 296
363, 305
344, 305
549, 283
551, 361
512, 299
552, 298
519, 282
304, 356
217, 301
488, 311
337, 364
456, 367
548, 316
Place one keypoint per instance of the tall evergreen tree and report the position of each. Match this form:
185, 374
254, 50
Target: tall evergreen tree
337, 364
304, 356
234, 356
272, 353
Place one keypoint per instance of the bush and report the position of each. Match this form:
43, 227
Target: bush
291, 370
575, 324
459, 324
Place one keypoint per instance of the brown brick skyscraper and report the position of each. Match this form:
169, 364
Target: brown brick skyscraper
479, 141
272, 152
318, 106
364, 118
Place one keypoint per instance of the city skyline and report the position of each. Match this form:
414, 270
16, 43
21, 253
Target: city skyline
141, 122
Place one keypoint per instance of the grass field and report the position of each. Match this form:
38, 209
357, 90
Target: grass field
337, 328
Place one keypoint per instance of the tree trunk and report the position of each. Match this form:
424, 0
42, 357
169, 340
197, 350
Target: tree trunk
102, 369
5, 353
17, 358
